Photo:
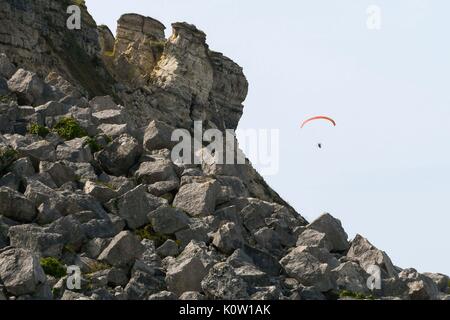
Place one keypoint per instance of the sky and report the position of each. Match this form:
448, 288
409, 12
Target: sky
384, 170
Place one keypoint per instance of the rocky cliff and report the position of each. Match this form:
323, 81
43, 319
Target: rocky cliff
87, 182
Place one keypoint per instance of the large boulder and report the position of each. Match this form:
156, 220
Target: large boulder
15, 206
37, 240
155, 171
123, 250
332, 228
351, 277
222, 283
368, 256
20, 271
187, 271
228, 238
28, 86
39, 151
158, 135
7, 69
167, 220
135, 205
307, 269
420, 287
197, 198
120, 155
58, 171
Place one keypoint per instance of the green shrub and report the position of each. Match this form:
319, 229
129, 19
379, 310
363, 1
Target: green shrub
7, 156
355, 295
53, 267
96, 266
41, 131
69, 128
147, 232
94, 145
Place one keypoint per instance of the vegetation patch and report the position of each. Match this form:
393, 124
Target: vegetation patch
94, 145
39, 130
7, 156
147, 232
96, 266
355, 295
53, 267
69, 128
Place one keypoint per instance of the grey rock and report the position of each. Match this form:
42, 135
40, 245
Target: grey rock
135, 205
115, 116
332, 228
20, 271
39, 151
158, 136
102, 103
351, 277
168, 249
113, 130
228, 238
367, 255
222, 283
162, 188
313, 238
267, 293
120, 155
192, 295
76, 150
123, 250
37, 240
420, 287
307, 269
15, 206
441, 280
101, 192
7, 69
167, 220
58, 171
197, 230
154, 171
27, 85
163, 295
197, 199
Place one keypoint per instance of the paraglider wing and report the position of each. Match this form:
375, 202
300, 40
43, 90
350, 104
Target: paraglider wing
318, 118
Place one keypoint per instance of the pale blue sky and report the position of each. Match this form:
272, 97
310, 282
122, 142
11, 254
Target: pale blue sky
385, 169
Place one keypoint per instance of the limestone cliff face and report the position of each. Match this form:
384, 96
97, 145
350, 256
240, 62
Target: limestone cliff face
34, 34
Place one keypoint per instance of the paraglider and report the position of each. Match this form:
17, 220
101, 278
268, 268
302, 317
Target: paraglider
319, 145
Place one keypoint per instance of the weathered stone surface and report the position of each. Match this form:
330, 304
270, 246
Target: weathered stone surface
15, 206
197, 198
39, 151
420, 287
76, 150
27, 85
168, 249
120, 155
154, 171
334, 233
20, 271
222, 283
228, 238
167, 220
158, 135
102, 103
37, 240
58, 171
192, 295
7, 69
441, 280
101, 192
123, 250
367, 255
308, 270
135, 205
351, 277
188, 270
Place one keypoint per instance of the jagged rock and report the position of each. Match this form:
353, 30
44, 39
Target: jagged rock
155, 171
120, 155
103, 103
122, 250
228, 238
334, 233
22, 168
351, 277
367, 255
39, 151
196, 230
115, 116
144, 284
168, 249
420, 287
76, 150
58, 171
192, 295
51, 109
4, 91
168, 220
267, 293
158, 135
113, 130
197, 198
70, 229
269, 240
162, 188
20, 271
308, 270
188, 269
7, 69
15, 206
27, 85
222, 283
313, 238
163, 295
441, 280
101, 192
255, 213
37, 240
134, 206
253, 276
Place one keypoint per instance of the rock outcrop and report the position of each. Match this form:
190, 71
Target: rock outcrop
87, 179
